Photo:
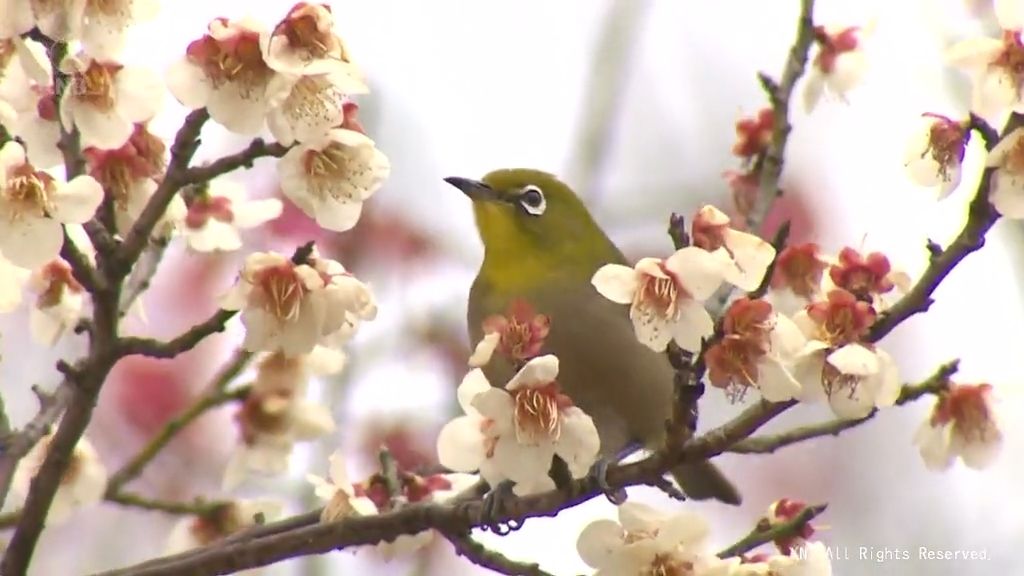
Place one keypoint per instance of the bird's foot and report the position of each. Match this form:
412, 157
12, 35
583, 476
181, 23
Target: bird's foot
495, 504
599, 472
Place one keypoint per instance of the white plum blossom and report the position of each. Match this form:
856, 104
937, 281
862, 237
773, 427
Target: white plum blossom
840, 64
759, 348
647, 541
307, 107
17, 18
962, 425
198, 531
305, 43
100, 26
287, 306
745, 257
225, 72
273, 418
219, 211
59, 301
1007, 188
935, 153
105, 99
666, 296
338, 493
33, 206
330, 177
82, 484
512, 433
994, 63
12, 280
29, 109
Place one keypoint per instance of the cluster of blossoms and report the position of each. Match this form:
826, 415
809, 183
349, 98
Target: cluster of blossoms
296, 79
378, 493
648, 541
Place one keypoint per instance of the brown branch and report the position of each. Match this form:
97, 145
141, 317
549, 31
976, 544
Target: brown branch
779, 95
199, 507
242, 159
480, 555
764, 534
980, 218
273, 544
179, 344
131, 470
83, 270
934, 384
186, 142
143, 271
14, 446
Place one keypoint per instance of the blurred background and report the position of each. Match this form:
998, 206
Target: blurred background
634, 103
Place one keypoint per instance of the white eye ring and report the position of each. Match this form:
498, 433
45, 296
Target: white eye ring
532, 200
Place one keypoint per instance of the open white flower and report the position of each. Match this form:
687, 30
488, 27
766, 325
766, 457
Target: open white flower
512, 433
647, 541
962, 425
105, 99
59, 301
100, 26
217, 214
273, 418
338, 493
33, 205
666, 296
1007, 188
12, 280
935, 153
745, 257
855, 379
305, 43
282, 303
198, 531
839, 65
307, 107
82, 484
27, 105
225, 72
331, 176
993, 63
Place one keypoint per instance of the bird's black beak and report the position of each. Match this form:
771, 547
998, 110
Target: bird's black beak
475, 189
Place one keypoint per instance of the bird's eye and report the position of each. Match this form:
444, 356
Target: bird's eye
532, 200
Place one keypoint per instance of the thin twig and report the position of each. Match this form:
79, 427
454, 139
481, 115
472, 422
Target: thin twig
199, 507
764, 534
767, 444
779, 95
143, 271
131, 470
181, 343
480, 555
14, 446
242, 159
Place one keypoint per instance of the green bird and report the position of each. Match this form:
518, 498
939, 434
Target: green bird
542, 245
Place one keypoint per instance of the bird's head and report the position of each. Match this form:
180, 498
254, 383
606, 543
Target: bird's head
529, 217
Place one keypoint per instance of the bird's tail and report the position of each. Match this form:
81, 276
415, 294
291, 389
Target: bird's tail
703, 481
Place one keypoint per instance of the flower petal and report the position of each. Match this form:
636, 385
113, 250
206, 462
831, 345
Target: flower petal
473, 383
697, 270
76, 202
460, 444
539, 371
692, 326
598, 541
579, 442
616, 282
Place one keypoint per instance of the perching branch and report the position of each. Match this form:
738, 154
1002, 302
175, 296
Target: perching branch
779, 95
980, 218
935, 384
480, 555
179, 344
256, 149
764, 534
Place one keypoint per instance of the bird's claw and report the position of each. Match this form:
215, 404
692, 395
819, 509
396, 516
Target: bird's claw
599, 472
494, 505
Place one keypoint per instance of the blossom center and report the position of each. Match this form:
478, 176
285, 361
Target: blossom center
1011, 59
205, 207
668, 565
326, 168
966, 406
305, 33
833, 45
236, 59
947, 145
29, 191
662, 293
58, 279
106, 7
95, 86
537, 413
263, 413
281, 290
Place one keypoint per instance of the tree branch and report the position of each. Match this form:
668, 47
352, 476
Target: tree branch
199, 507
779, 95
764, 534
186, 142
980, 218
179, 344
935, 384
480, 555
242, 159
14, 446
143, 271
